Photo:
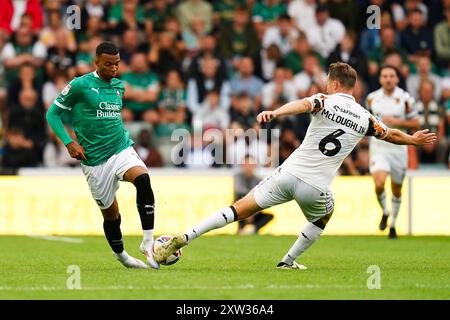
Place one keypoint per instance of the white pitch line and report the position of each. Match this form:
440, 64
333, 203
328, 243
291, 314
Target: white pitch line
58, 238
239, 287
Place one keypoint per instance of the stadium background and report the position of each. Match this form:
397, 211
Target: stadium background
217, 62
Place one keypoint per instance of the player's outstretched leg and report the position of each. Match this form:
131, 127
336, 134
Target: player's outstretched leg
242, 209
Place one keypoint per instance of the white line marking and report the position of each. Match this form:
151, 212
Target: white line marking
246, 286
57, 238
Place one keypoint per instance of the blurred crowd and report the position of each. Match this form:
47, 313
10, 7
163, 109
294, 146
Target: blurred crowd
207, 66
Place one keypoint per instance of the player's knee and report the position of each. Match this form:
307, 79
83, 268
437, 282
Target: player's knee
397, 192
322, 222
143, 187
379, 187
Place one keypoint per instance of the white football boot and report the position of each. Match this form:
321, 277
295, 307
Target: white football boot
294, 265
167, 248
129, 262
146, 249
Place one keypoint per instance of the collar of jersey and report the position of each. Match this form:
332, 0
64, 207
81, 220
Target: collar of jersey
98, 77
346, 95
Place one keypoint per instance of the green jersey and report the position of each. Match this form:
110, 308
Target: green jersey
95, 107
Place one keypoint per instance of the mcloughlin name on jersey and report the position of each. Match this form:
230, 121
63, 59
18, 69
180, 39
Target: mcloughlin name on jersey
95, 106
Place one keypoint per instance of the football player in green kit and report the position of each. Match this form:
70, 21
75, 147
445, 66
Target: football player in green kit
105, 149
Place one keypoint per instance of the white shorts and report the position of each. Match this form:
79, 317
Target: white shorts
281, 186
392, 162
103, 180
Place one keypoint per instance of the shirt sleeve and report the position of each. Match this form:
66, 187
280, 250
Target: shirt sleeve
317, 102
69, 95
376, 128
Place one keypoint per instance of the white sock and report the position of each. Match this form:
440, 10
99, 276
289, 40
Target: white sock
148, 235
308, 235
122, 256
396, 203
382, 201
217, 220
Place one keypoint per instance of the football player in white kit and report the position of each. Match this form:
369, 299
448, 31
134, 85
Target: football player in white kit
394, 107
338, 124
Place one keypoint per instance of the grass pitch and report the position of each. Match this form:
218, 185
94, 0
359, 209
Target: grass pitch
229, 267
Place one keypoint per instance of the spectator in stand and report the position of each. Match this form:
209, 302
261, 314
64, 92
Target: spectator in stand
246, 82
278, 91
312, 73
206, 80
417, 39
211, 114
130, 46
141, 92
346, 11
239, 39
442, 40
156, 13
18, 151
164, 54
53, 87
29, 119
243, 112
55, 31
146, 151
269, 59
431, 117
26, 79
294, 59
22, 49
208, 49
348, 52
303, 12
125, 15
282, 33
193, 35
189, 9
13, 10
265, 13
388, 43
60, 57
172, 106
327, 33
423, 67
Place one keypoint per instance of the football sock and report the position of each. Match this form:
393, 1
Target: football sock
148, 236
217, 220
396, 203
308, 235
382, 201
113, 234
145, 202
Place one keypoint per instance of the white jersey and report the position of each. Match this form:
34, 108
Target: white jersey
400, 104
335, 130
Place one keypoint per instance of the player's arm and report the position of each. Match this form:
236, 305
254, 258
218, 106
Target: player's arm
379, 130
419, 138
412, 124
54, 114
291, 108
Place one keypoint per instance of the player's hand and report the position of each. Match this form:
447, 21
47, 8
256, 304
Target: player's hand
76, 151
424, 137
265, 116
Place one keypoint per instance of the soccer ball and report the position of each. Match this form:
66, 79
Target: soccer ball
173, 257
